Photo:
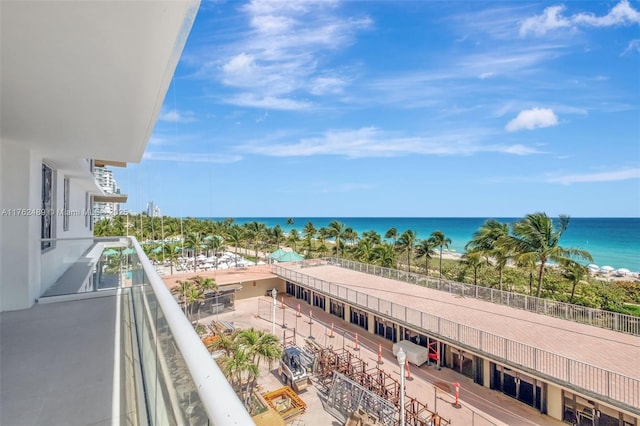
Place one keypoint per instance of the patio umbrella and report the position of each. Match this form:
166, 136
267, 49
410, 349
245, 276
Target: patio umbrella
128, 251
157, 250
606, 269
109, 252
622, 272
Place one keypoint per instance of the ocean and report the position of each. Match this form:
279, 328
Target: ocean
611, 241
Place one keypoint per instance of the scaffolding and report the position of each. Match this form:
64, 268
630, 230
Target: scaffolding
350, 387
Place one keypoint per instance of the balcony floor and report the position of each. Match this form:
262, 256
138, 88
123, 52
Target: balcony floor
57, 364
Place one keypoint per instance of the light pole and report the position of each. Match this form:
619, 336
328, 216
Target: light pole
274, 293
402, 358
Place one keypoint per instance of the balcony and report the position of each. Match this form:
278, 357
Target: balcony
118, 351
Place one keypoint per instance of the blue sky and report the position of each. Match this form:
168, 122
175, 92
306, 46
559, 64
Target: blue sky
409, 108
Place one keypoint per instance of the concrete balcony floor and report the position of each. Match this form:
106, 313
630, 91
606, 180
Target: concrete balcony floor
57, 364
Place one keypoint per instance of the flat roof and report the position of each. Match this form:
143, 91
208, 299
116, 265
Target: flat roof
599, 347
225, 276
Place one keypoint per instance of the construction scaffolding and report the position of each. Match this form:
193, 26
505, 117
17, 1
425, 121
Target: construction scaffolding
347, 397
351, 387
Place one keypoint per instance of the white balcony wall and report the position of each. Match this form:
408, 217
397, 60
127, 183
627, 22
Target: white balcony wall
20, 188
56, 261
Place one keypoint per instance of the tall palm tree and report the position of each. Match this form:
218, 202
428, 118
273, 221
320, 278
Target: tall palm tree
293, 239
392, 233
235, 236
536, 238
240, 370
194, 241
336, 230
351, 235
424, 249
172, 252
181, 291
276, 234
372, 237
407, 243
256, 232
440, 240
576, 274
216, 243
475, 260
489, 241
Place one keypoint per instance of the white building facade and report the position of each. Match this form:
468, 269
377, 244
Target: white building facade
79, 81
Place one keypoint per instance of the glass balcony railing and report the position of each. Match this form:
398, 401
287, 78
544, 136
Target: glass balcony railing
178, 382
183, 384
82, 265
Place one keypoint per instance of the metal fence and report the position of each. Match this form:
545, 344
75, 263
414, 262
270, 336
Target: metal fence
606, 385
581, 314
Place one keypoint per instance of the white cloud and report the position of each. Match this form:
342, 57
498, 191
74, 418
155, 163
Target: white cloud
610, 176
325, 85
174, 116
632, 47
268, 102
549, 20
621, 14
552, 19
191, 157
280, 57
533, 118
370, 142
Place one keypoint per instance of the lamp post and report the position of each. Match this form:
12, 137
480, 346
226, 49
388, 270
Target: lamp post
274, 293
402, 358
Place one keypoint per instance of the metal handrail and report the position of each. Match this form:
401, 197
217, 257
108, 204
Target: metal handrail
615, 321
221, 403
560, 369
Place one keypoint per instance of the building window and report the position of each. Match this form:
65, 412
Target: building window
65, 213
48, 206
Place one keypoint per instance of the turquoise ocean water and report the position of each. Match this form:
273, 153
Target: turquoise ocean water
611, 241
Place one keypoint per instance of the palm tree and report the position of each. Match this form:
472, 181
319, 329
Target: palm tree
235, 236
393, 234
440, 240
276, 234
171, 253
536, 239
337, 231
372, 237
425, 249
489, 241
239, 369
255, 231
475, 260
194, 241
384, 255
215, 243
576, 274
364, 250
181, 291
294, 238
407, 242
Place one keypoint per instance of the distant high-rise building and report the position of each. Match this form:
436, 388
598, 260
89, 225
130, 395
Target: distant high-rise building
105, 210
152, 209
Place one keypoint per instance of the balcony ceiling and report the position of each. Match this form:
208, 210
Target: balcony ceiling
88, 79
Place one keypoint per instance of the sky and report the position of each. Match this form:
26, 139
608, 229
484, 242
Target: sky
399, 109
